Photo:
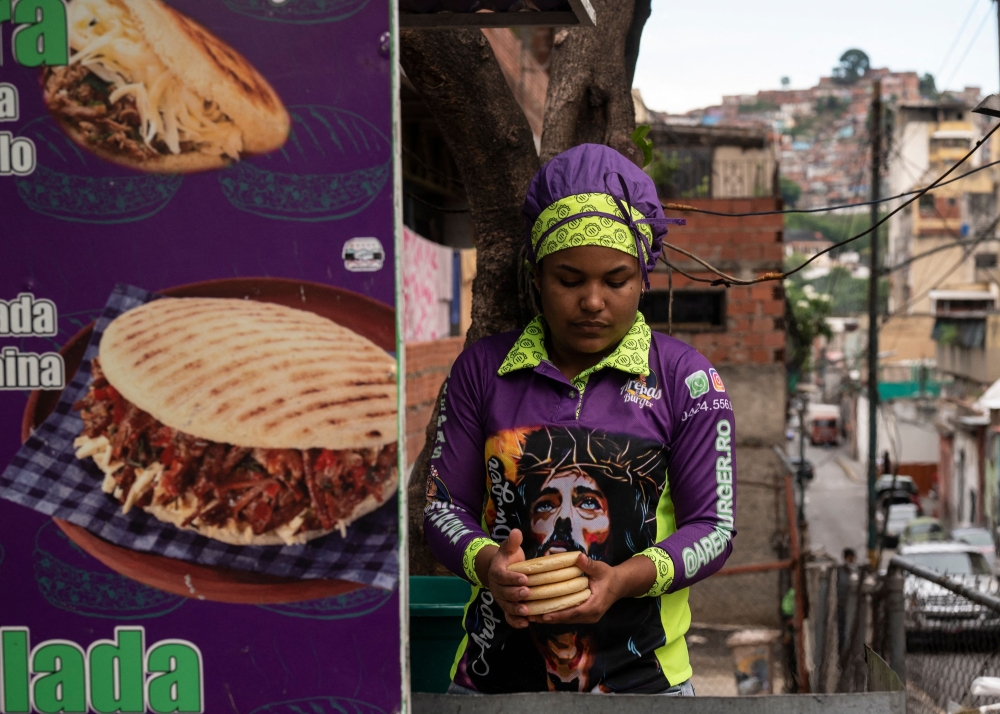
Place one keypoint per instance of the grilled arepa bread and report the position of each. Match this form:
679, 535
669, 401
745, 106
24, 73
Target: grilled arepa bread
247, 421
252, 374
151, 89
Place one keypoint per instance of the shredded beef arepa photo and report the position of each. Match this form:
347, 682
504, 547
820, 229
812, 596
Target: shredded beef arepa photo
248, 422
151, 89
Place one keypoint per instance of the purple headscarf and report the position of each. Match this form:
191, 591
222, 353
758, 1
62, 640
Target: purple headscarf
597, 171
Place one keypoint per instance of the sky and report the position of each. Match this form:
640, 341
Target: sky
692, 53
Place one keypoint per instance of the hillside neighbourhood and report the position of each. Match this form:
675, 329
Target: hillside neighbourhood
939, 351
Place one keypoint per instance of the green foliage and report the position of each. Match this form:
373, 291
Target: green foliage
790, 192
848, 295
928, 87
644, 144
757, 108
662, 169
807, 310
838, 227
831, 105
853, 64
947, 335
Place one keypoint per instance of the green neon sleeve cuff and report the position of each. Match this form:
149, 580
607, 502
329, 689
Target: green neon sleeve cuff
664, 570
469, 559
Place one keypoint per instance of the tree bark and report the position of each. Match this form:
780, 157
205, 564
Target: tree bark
590, 89
461, 82
589, 100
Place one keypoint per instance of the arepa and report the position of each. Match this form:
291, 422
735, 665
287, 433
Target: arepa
252, 374
248, 422
149, 88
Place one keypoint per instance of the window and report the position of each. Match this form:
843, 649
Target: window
694, 310
926, 203
950, 143
986, 260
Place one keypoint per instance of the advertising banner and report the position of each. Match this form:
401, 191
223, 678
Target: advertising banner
198, 374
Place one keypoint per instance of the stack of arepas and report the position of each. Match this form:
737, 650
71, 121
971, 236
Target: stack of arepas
554, 582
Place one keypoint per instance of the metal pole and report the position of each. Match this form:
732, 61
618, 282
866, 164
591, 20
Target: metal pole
876, 161
799, 584
800, 476
897, 629
969, 593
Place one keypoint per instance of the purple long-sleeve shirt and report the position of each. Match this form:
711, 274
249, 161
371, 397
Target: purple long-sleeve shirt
637, 453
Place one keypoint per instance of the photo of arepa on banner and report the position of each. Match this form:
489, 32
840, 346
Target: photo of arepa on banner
200, 376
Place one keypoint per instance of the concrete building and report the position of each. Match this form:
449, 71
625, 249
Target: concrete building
954, 224
742, 331
714, 162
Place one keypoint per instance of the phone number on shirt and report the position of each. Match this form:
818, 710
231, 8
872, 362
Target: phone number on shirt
703, 406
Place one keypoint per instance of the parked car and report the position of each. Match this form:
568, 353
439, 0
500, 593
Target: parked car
894, 498
891, 522
981, 539
923, 529
901, 483
930, 608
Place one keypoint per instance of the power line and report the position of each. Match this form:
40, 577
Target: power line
972, 42
954, 43
692, 209
728, 280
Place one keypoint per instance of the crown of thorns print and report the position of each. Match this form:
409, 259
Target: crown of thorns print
598, 454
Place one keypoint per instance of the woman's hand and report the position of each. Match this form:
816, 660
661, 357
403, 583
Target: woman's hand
507, 587
608, 585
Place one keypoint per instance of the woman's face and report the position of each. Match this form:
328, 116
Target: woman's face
569, 513
590, 295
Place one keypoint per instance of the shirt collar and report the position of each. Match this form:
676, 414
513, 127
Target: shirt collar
630, 356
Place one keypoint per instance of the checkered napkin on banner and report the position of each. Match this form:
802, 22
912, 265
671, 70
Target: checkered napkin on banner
46, 475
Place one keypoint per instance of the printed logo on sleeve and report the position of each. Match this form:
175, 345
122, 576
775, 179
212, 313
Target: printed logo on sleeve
697, 383
706, 549
716, 381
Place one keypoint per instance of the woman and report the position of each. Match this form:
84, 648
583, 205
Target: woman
585, 432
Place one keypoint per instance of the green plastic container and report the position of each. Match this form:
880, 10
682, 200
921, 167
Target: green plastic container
436, 605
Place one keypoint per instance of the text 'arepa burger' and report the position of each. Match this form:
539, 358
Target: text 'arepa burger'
151, 89
248, 422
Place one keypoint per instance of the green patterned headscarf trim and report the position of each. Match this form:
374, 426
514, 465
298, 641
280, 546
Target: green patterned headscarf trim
556, 228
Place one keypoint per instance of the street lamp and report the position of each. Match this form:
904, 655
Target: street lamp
989, 106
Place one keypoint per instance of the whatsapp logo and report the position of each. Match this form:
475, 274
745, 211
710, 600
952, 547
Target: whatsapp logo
697, 383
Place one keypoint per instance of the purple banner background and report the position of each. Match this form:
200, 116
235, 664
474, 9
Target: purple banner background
253, 657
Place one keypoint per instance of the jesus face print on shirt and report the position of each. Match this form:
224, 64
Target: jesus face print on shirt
572, 489
569, 512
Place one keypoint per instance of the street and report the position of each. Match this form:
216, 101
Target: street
835, 504
835, 510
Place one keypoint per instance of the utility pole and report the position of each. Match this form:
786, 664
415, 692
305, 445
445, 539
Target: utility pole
876, 162
800, 477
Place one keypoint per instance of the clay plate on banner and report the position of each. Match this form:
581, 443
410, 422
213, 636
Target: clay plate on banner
367, 317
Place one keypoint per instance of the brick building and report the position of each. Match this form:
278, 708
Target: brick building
741, 330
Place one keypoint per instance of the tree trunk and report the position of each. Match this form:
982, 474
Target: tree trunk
590, 90
461, 82
589, 100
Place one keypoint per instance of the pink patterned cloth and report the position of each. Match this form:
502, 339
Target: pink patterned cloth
427, 288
